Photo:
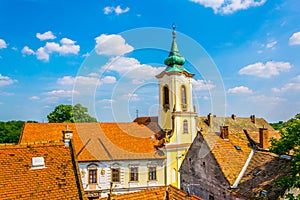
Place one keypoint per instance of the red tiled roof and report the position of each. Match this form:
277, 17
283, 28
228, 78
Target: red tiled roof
229, 159
18, 180
264, 169
159, 193
98, 141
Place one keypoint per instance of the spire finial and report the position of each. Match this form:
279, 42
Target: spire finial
174, 32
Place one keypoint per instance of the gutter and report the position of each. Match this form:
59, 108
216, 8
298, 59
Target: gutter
235, 185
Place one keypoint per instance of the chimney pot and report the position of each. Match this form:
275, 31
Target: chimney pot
209, 119
233, 116
253, 119
67, 136
264, 138
224, 133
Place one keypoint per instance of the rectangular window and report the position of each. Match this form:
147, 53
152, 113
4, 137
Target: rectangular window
92, 176
115, 175
134, 174
152, 173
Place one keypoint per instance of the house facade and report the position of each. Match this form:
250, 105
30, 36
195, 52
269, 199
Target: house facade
111, 156
229, 159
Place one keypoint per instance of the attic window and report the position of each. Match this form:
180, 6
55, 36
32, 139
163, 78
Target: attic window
256, 172
264, 192
237, 147
37, 163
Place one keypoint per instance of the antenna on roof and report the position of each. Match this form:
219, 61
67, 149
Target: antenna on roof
137, 113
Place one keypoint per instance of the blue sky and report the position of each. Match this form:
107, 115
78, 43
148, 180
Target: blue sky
105, 54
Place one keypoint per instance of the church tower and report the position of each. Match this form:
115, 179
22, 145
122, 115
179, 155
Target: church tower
176, 116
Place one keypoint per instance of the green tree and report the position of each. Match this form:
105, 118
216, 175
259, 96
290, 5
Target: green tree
69, 113
10, 131
81, 114
61, 113
289, 143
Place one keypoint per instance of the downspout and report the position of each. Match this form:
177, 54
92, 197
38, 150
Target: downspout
244, 169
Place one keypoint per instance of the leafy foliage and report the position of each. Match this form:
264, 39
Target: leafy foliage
277, 126
81, 114
69, 113
289, 144
10, 131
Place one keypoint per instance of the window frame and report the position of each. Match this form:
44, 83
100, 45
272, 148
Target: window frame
115, 171
183, 97
134, 174
166, 97
152, 173
185, 126
93, 175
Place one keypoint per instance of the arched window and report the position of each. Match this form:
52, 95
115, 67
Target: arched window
183, 97
166, 97
185, 126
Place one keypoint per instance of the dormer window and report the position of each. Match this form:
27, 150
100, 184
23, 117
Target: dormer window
183, 98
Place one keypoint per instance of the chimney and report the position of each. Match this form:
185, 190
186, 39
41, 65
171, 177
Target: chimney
264, 138
67, 135
233, 116
253, 119
209, 119
224, 133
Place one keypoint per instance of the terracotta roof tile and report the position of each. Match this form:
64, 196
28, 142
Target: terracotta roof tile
18, 180
156, 194
229, 159
98, 141
261, 174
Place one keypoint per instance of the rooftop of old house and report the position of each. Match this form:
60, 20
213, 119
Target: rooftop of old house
98, 141
38, 171
164, 192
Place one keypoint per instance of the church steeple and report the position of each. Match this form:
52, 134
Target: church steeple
175, 61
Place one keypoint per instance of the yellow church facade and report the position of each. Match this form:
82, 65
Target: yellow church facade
177, 114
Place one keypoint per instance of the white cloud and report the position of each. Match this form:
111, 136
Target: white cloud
5, 80
61, 93
85, 80
67, 41
240, 89
295, 39
67, 46
271, 45
80, 80
45, 36
108, 80
266, 99
293, 86
118, 10
14, 48
200, 85
27, 51
106, 101
6, 93
229, 6
85, 55
131, 97
266, 70
3, 44
132, 68
34, 98
112, 45
41, 54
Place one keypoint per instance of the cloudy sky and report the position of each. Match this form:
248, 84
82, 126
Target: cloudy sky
105, 55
